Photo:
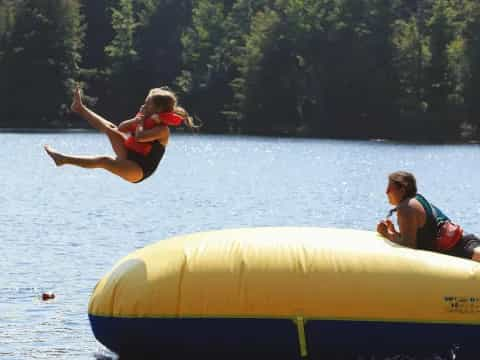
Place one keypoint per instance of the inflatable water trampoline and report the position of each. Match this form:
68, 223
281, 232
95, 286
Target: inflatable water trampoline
290, 291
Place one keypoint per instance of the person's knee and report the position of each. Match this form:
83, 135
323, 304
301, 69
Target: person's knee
113, 131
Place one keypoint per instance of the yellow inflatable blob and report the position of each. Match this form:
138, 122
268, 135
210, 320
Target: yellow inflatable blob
297, 290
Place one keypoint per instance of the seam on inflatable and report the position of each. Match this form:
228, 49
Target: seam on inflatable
112, 299
242, 286
180, 284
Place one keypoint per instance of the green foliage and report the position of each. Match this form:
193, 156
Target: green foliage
42, 57
205, 66
342, 68
158, 39
443, 92
7, 20
122, 61
472, 58
121, 50
202, 41
144, 51
442, 33
256, 82
412, 56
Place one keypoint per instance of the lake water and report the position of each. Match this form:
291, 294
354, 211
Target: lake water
62, 229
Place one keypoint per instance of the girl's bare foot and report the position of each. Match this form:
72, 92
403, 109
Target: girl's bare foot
57, 157
77, 101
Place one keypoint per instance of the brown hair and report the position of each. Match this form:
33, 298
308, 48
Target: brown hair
166, 101
406, 181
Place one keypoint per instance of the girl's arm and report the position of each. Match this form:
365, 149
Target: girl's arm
126, 125
160, 132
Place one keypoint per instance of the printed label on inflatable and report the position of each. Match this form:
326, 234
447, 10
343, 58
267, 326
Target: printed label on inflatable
462, 304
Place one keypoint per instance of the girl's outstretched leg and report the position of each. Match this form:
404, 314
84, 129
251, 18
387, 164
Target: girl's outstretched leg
126, 169
95, 120
115, 136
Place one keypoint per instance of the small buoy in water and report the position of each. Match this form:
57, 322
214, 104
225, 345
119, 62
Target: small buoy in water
48, 296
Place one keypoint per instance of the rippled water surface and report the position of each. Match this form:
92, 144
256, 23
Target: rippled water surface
61, 229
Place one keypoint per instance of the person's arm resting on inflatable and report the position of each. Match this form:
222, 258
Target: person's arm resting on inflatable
407, 236
407, 223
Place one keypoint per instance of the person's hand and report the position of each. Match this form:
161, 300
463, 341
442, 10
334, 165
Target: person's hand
140, 116
382, 228
145, 111
389, 225
387, 229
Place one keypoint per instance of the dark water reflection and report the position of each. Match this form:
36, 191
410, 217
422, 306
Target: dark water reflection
62, 229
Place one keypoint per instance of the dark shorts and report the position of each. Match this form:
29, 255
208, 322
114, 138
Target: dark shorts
465, 246
150, 162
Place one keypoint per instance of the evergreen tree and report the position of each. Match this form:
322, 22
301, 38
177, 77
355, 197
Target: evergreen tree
440, 81
411, 58
99, 32
6, 24
382, 77
204, 64
122, 96
472, 76
258, 74
42, 57
121, 50
342, 68
158, 39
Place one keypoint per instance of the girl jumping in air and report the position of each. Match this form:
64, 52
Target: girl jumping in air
139, 143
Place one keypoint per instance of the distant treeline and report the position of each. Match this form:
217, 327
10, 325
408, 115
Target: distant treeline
402, 69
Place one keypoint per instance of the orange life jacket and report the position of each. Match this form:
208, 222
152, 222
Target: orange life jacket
144, 148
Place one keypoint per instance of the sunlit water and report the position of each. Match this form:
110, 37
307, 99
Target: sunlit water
61, 229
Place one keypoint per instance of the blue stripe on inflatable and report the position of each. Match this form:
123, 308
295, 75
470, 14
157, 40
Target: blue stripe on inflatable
387, 336
278, 337
177, 337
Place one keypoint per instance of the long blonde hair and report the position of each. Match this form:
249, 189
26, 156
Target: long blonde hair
166, 100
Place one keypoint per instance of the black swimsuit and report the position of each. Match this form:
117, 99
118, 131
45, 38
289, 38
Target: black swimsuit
150, 162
